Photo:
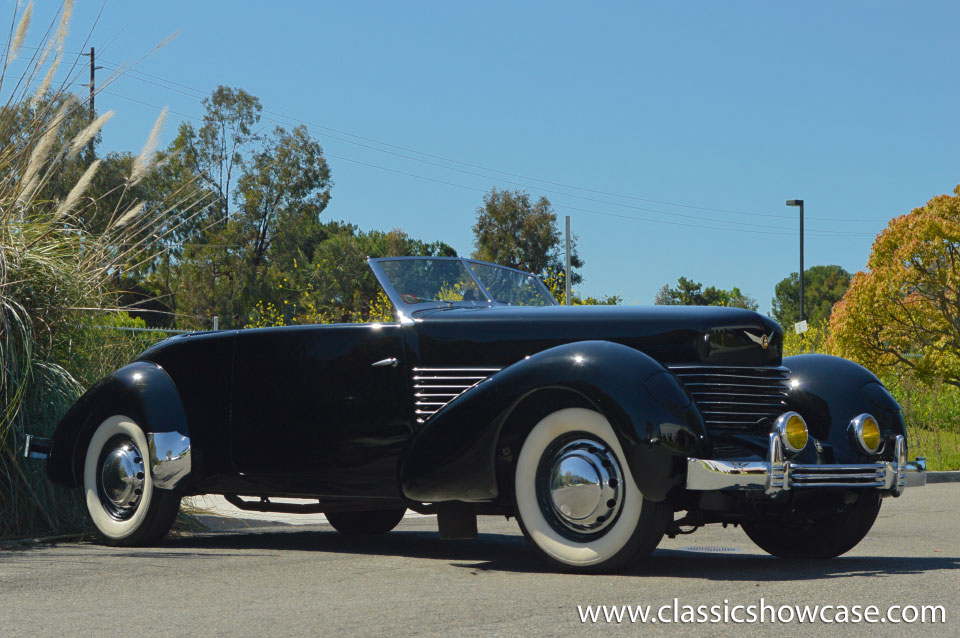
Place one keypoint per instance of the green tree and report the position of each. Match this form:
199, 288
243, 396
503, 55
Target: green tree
512, 230
692, 293
282, 196
267, 194
823, 286
336, 285
217, 153
555, 283
110, 198
904, 310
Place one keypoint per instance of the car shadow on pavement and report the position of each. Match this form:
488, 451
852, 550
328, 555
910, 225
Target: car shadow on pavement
512, 553
410, 544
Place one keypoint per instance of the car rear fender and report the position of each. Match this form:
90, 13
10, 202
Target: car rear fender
454, 455
142, 391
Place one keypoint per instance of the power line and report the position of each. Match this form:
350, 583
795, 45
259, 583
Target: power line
773, 229
198, 94
640, 208
607, 214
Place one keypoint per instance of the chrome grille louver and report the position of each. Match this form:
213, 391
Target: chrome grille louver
736, 398
433, 388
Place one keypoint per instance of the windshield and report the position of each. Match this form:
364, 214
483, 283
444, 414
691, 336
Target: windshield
431, 282
421, 281
512, 287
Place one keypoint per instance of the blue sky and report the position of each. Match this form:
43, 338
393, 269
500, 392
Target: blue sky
635, 118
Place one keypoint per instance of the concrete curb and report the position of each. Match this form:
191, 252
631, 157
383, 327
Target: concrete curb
219, 523
943, 477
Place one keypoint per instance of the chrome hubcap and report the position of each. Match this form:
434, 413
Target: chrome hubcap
584, 486
122, 475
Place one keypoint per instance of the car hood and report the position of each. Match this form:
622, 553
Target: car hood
501, 335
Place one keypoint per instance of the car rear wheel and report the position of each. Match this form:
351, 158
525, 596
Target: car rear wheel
123, 503
576, 499
827, 536
373, 522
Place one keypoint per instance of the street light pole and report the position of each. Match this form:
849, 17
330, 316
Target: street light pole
799, 202
566, 272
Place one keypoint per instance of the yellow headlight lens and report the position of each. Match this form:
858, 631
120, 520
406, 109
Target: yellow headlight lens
870, 434
795, 432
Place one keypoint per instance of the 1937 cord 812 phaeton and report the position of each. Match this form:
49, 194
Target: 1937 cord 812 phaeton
593, 425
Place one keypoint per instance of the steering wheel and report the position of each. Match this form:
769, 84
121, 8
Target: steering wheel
408, 298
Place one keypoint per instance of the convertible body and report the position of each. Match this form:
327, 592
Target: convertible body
436, 412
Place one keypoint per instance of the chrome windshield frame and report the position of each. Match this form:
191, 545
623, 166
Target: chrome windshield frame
408, 309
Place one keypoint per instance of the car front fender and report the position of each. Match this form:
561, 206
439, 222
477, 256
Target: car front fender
142, 391
453, 456
830, 391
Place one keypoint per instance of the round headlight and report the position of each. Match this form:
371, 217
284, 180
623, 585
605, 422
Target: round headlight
866, 431
792, 430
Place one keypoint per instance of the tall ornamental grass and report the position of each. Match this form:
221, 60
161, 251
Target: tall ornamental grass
55, 273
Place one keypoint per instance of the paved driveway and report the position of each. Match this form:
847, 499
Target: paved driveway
308, 581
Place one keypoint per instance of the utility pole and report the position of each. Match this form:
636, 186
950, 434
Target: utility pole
799, 202
92, 85
566, 277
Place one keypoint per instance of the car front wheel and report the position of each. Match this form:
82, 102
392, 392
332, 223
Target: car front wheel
576, 499
825, 536
123, 503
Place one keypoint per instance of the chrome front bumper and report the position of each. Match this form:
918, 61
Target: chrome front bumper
777, 474
170, 459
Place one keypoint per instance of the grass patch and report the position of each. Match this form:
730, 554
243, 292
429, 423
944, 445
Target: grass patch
931, 414
941, 448
64, 240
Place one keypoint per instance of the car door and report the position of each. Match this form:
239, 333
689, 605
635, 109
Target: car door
321, 410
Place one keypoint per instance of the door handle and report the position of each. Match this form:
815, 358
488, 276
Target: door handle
383, 363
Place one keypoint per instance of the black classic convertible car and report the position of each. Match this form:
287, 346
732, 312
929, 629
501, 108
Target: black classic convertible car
599, 428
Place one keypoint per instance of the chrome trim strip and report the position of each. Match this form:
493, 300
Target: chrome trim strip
744, 394
170, 460
732, 366
737, 385
749, 377
732, 397
457, 369
759, 416
776, 475
464, 377
815, 476
447, 385
755, 403
876, 484
434, 387
900, 454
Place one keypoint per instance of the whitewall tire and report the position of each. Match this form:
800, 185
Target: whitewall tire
576, 499
123, 503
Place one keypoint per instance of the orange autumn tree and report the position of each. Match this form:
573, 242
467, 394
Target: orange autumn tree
905, 309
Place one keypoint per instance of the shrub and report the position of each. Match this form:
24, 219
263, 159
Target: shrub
54, 271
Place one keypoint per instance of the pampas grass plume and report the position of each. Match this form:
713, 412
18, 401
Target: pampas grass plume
77, 191
132, 212
21, 34
145, 161
41, 151
88, 134
60, 37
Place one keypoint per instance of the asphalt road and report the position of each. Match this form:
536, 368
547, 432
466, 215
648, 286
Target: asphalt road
310, 581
